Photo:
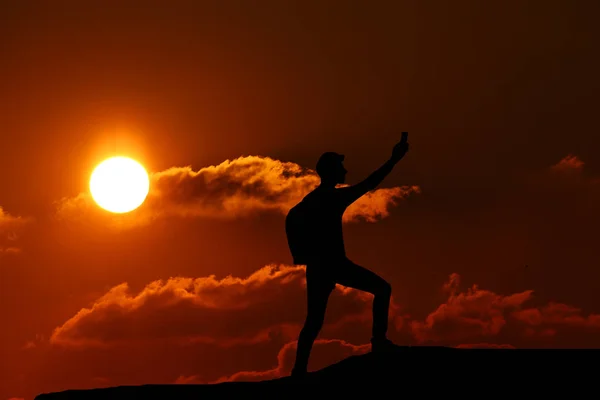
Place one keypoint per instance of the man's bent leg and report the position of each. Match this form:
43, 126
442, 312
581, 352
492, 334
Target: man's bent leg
351, 275
318, 289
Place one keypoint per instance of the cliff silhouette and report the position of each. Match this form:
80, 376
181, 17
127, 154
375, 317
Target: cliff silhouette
428, 370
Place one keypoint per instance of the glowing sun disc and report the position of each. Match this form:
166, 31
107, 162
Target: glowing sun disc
119, 184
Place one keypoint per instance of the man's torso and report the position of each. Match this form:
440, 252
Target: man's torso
324, 211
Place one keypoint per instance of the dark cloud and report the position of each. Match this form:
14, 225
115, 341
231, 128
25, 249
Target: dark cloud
570, 173
567, 164
476, 313
551, 317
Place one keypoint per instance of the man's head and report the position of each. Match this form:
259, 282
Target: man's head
331, 169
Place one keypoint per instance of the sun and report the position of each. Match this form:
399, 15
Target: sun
119, 184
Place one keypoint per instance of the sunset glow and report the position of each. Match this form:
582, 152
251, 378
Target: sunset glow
172, 172
119, 184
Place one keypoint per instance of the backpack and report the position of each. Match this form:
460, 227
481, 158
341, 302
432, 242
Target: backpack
299, 233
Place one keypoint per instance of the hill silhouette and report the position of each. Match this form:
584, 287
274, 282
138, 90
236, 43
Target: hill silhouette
410, 369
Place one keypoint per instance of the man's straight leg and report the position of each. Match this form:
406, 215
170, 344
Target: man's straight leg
318, 289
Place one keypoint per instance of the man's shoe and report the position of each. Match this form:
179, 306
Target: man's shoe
298, 373
383, 345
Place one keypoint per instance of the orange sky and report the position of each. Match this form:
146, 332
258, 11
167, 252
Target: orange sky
486, 230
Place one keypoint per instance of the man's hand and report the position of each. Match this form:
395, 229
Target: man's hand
351, 193
400, 149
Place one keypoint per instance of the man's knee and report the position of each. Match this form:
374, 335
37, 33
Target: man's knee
385, 289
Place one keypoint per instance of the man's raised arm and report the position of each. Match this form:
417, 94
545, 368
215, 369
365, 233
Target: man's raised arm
352, 193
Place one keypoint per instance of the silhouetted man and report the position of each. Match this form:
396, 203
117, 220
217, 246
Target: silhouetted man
314, 233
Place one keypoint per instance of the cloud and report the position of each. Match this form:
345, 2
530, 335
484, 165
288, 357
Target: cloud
11, 228
34, 343
248, 326
571, 174
478, 314
568, 164
325, 352
556, 318
9, 224
188, 309
376, 205
554, 315
230, 311
10, 250
270, 304
451, 287
233, 189
472, 314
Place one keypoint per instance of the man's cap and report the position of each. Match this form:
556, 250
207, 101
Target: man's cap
328, 160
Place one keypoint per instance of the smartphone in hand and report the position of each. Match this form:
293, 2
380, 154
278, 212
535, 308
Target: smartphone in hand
404, 137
